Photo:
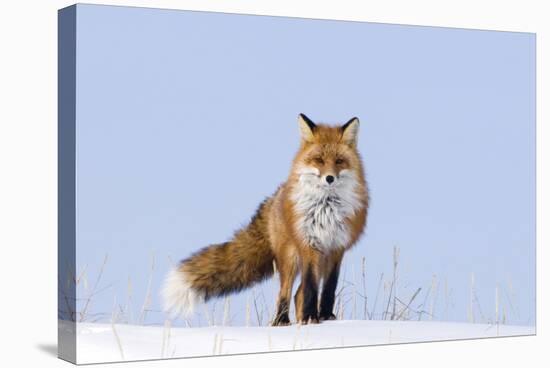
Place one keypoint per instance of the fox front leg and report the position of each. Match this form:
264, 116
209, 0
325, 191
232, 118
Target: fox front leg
330, 282
306, 299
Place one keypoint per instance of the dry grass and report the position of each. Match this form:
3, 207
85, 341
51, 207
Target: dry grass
396, 298
148, 300
114, 321
398, 301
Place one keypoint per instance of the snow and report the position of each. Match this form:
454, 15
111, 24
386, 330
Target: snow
120, 342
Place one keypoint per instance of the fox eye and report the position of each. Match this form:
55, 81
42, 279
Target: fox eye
339, 161
319, 160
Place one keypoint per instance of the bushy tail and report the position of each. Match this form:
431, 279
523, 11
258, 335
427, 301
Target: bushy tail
220, 269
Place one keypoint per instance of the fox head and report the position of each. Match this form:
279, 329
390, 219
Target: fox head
328, 154
327, 184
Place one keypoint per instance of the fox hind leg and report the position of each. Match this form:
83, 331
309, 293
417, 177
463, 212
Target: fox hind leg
287, 274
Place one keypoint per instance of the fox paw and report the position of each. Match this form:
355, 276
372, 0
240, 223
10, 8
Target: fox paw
328, 317
280, 323
281, 320
312, 320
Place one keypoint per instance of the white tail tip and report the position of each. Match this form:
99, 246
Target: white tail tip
179, 297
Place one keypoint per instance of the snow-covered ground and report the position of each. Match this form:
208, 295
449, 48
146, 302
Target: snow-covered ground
110, 343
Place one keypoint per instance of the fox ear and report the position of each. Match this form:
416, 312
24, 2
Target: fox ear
349, 131
307, 128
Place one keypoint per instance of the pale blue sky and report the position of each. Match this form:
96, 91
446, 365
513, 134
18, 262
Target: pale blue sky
187, 120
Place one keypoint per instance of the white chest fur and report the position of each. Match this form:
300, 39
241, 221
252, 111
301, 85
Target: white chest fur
323, 209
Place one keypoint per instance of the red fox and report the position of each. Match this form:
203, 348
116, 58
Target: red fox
304, 228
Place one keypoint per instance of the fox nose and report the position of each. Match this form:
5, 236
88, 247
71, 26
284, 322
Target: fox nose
329, 179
